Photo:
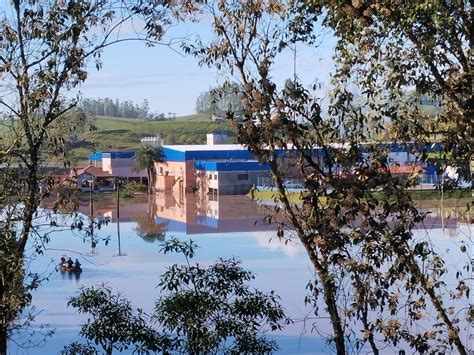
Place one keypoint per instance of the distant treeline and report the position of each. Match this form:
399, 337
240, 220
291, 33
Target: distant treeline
123, 109
221, 99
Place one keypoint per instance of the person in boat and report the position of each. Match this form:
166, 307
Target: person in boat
70, 263
77, 265
63, 261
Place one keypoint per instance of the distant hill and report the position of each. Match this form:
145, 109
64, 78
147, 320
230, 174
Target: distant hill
125, 134
194, 117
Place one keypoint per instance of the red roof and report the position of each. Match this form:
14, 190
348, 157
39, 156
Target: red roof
406, 169
92, 170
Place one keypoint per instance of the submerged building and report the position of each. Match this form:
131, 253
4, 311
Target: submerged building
227, 169
119, 164
230, 169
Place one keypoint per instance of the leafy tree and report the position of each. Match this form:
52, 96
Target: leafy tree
45, 48
146, 158
201, 310
361, 244
213, 309
144, 109
16, 294
115, 324
389, 49
221, 99
205, 104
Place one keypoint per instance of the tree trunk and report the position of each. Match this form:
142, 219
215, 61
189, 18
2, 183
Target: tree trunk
330, 300
453, 331
32, 201
3, 341
329, 290
149, 181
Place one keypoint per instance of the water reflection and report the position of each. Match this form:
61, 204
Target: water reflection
190, 214
119, 240
197, 214
163, 213
70, 274
223, 226
146, 227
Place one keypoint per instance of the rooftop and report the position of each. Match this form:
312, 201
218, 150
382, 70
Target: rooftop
92, 170
205, 147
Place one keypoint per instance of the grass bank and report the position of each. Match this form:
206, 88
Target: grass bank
434, 196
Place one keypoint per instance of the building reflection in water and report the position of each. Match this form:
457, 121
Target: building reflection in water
162, 213
200, 214
142, 211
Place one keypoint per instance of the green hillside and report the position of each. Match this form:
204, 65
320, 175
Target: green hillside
125, 134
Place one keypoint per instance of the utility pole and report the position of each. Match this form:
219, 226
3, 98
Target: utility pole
118, 218
442, 201
118, 198
91, 211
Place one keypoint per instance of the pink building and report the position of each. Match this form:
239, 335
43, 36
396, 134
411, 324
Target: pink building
118, 164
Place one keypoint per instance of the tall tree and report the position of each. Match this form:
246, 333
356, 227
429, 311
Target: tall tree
144, 109
360, 243
146, 158
388, 49
45, 49
220, 100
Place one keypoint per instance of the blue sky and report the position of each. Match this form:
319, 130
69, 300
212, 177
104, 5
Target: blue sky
172, 82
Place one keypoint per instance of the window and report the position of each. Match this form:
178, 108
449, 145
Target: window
215, 176
242, 176
210, 176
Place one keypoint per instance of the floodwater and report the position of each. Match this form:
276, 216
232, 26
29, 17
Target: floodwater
223, 226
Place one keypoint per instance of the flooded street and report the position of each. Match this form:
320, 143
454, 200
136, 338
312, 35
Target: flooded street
226, 226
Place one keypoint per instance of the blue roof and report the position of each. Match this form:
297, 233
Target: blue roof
204, 153
230, 165
113, 155
95, 156
181, 155
178, 155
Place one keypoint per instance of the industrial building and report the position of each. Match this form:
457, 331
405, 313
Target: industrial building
230, 169
227, 169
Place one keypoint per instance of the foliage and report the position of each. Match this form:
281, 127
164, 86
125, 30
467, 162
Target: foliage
390, 49
146, 158
129, 189
220, 100
46, 48
15, 295
111, 108
213, 309
201, 310
77, 348
361, 244
114, 323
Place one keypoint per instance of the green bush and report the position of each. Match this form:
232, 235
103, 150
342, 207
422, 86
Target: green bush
129, 189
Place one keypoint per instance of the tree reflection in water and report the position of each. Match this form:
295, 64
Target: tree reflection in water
147, 228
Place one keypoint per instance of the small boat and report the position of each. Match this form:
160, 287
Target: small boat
65, 268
